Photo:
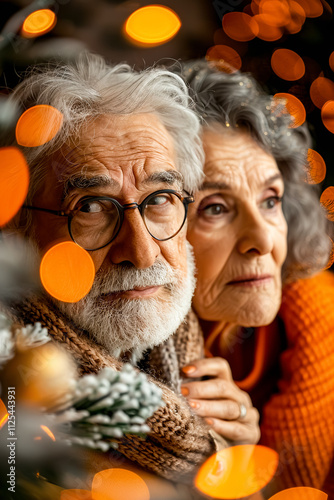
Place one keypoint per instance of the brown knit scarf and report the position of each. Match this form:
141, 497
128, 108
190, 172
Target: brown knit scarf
179, 440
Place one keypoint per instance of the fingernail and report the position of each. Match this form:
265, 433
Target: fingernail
194, 404
189, 369
209, 421
184, 391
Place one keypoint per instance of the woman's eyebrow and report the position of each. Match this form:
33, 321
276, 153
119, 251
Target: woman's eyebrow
214, 185
273, 178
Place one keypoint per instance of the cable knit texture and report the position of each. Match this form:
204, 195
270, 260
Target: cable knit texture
298, 421
180, 440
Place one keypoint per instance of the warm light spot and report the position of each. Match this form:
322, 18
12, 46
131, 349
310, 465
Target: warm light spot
152, 25
14, 182
240, 26
300, 493
67, 272
3, 414
266, 32
38, 23
312, 8
223, 54
327, 115
48, 432
297, 15
317, 167
76, 495
331, 256
321, 91
37, 438
327, 201
237, 471
294, 107
331, 61
38, 125
255, 7
125, 485
287, 64
275, 12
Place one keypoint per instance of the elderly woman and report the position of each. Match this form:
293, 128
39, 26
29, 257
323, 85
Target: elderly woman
259, 238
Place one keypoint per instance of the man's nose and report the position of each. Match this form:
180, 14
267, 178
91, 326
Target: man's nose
255, 235
134, 243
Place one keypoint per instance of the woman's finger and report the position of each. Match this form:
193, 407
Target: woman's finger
224, 410
215, 389
213, 367
236, 430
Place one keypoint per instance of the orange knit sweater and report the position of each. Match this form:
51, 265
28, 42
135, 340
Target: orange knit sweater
298, 420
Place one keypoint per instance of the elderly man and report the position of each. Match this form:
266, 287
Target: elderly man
113, 181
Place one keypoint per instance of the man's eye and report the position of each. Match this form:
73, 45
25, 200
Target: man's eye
215, 209
91, 207
270, 203
160, 199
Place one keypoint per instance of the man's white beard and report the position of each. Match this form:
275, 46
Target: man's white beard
134, 325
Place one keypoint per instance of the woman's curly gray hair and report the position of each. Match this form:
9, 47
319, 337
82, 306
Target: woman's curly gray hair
89, 87
236, 100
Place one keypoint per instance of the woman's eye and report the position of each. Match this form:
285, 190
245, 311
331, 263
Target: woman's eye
214, 209
270, 203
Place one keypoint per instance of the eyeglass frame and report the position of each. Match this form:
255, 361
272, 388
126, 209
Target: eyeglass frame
186, 200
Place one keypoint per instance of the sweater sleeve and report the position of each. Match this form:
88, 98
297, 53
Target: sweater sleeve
298, 420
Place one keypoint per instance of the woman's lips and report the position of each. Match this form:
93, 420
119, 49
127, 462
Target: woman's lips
137, 292
251, 280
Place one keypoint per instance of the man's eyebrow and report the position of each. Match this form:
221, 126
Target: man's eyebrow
169, 177
84, 182
226, 187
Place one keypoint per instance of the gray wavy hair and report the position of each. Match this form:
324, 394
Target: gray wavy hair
89, 87
236, 100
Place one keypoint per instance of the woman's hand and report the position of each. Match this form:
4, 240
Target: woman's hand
223, 405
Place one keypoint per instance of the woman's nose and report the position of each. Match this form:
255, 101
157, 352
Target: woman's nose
134, 243
255, 235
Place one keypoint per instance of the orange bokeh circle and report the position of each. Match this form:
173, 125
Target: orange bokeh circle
240, 26
331, 61
14, 182
317, 167
321, 91
38, 125
237, 471
125, 485
287, 64
3, 414
76, 494
300, 493
38, 23
224, 54
152, 25
327, 201
294, 106
266, 32
327, 115
298, 17
67, 271
312, 8
275, 12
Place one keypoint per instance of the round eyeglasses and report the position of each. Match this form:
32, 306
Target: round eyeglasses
97, 220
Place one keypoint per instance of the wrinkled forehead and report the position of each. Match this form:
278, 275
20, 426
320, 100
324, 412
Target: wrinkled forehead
114, 140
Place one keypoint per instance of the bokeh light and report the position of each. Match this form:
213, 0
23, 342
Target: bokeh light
331, 61
287, 64
14, 182
152, 25
48, 432
3, 414
275, 12
266, 32
297, 17
38, 23
76, 495
240, 26
300, 493
327, 201
38, 125
317, 167
125, 484
327, 115
294, 106
224, 54
67, 271
237, 471
312, 8
321, 91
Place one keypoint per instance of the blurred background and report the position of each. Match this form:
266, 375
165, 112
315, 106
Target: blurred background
248, 35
